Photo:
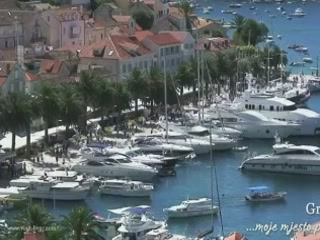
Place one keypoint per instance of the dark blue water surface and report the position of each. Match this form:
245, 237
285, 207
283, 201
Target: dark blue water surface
303, 31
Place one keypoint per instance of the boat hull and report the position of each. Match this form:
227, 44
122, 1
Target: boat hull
185, 214
124, 193
59, 196
279, 197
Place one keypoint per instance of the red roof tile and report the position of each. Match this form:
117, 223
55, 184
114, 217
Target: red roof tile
31, 77
143, 34
163, 39
313, 235
129, 47
2, 80
121, 19
180, 35
105, 46
50, 66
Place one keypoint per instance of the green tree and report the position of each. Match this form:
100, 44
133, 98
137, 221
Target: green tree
155, 86
217, 34
16, 115
103, 98
239, 21
136, 84
87, 89
56, 233
184, 77
69, 106
48, 106
186, 9
81, 224
33, 217
144, 19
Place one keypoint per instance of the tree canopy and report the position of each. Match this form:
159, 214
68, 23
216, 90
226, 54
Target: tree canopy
144, 19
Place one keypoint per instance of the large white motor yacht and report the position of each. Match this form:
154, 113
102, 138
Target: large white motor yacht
192, 208
48, 188
253, 124
125, 188
135, 223
199, 146
152, 145
287, 158
116, 166
278, 108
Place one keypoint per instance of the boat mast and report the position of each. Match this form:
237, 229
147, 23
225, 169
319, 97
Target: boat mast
202, 85
317, 71
165, 95
268, 73
198, 69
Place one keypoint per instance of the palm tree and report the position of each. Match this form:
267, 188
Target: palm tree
103, 98
155, 86
48, 105
121, 98
56, 233
87, 89
16, 115
33, 217
81, 224
238, 21
186, 9
137, 86
184, 77
70, 106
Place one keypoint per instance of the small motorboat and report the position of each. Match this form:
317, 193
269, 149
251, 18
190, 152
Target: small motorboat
279, 36
301, 49
298, 13
289, 18
307, 60
297, 64
227, 11
192, 208
272, 16
243, 148
261, 194
284, 13
235, 13
235, 5
205, 10
210, 8
252, 8
294, 46
266, 11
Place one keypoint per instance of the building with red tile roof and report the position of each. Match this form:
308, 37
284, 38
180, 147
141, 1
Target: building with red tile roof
314, 234
115, 56
170, 48
143, 34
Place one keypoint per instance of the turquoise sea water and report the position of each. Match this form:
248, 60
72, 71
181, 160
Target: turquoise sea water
303, 31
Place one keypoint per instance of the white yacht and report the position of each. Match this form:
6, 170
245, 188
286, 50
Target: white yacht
163, 233
48, 188
125, 188
116, 166
199, 146
216, 127
192, 208
287, 158
152, 145
278, 108
101, 154
314, 84
253, 124
205, 11
135, 223
298, 13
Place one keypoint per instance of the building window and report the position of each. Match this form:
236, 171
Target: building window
161, 52
177, 49
172, 50
129, 67
64, 31
6, 44
124, 68
278, 108
246, 106
101, 35
162, 64
253, 107
260, 107
186, 46
146, 64
167, 51
48, 18
73, 43
271, 108
191, 45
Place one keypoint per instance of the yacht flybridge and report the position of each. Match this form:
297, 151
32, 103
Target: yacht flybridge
278, 108
287, 158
